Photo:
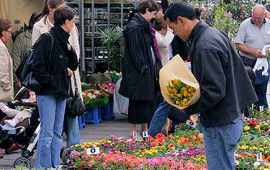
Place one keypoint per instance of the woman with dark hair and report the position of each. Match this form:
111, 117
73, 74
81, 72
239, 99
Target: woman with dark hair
51, 99
22, 44
71, 125
142, 61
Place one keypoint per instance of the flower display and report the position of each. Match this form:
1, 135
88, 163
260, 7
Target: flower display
180, 92
94, 98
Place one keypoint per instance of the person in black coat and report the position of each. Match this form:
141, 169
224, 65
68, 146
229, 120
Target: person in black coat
142, 62
51, 99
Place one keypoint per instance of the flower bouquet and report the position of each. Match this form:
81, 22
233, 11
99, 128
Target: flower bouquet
179, 76
177, 73
107, 88
180, 92
94, 98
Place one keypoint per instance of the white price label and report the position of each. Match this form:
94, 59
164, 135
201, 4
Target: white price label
145, 134
92, 151
259, 157
190, 123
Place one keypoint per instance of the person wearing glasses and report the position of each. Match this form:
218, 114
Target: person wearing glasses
6, 68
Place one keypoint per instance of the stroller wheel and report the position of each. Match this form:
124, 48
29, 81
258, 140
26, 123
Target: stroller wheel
21, 161
65, 156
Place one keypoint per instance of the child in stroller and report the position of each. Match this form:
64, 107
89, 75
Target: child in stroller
11, 131
18, 115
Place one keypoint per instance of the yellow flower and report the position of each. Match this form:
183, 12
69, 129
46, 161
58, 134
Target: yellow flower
246, 128
265, 124
200, 135
257, 127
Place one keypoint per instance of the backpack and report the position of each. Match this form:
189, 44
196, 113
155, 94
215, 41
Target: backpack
24, 71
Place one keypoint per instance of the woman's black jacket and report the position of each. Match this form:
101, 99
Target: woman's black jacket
140, 79
54, 81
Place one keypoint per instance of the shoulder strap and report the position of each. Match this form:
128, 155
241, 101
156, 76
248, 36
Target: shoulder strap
50, 53
76, 87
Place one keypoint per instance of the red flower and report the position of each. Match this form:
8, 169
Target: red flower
253, 124
263, 134
83, 163
267, 128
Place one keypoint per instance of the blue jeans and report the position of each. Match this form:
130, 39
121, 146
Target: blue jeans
72, 130
164, 111
51, 113
220, 143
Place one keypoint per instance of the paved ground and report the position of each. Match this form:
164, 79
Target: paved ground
118, 127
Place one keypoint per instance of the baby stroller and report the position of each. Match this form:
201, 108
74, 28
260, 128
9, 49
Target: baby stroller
25, 133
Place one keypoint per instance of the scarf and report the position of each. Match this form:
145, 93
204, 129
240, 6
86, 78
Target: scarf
2, 40
152, 31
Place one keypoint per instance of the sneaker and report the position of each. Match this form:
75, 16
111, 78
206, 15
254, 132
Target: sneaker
167, 127
13, 148
11, 122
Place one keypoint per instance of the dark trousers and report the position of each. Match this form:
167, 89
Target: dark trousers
260, 90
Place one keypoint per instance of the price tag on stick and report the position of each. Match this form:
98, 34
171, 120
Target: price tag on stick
92, 151
191, 123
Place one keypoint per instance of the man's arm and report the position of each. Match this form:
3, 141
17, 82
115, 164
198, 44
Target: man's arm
248, 50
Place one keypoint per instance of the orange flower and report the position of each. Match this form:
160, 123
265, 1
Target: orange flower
83, 163
171, 147
169, 137
193, 137
160, 136
85, 157
183, 139
200, 135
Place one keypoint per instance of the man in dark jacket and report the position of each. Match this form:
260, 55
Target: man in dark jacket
222, 76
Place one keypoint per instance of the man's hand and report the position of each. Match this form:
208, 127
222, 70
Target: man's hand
258, 54
182, 110
70, 72
18, 84
69, 47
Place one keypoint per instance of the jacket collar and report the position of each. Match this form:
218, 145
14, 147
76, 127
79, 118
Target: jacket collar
136, 22
61, 34
264, 21
28, 34
196, 31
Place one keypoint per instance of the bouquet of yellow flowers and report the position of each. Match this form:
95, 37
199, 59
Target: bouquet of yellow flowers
180, 92
178, 85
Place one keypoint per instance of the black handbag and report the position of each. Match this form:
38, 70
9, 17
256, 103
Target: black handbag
74, 104
24, 71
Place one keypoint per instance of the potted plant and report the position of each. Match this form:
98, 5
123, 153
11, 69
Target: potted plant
111, 37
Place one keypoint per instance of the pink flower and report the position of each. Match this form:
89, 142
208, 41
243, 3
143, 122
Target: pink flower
241, 16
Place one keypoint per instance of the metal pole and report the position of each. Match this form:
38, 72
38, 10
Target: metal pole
81, 39
93, 35
122, 13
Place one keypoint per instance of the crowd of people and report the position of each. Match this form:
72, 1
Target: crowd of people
57, 19
153, 36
